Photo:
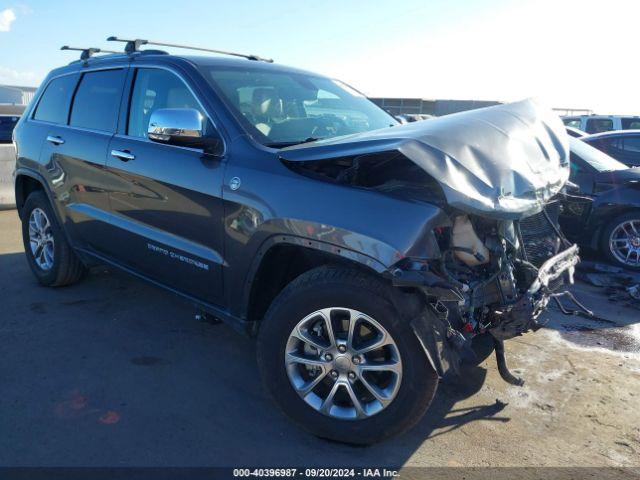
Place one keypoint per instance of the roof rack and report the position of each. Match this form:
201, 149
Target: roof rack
133, 45
87, 53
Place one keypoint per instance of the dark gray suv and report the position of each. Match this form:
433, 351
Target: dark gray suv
365, 256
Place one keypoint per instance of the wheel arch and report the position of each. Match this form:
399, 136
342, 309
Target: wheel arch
282, 258
28, 181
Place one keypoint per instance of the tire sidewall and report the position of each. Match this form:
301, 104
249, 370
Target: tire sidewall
418, 381
39, 200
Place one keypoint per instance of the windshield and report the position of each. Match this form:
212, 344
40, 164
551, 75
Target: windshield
594, 157
285, 108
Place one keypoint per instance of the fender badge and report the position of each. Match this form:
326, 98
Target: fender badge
234, 183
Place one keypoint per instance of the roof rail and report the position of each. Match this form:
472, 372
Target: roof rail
133, 45
87, 53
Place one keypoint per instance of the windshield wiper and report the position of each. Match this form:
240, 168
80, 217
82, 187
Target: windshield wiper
290, 144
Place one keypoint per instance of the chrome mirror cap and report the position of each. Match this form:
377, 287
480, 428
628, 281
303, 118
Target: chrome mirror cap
176, 125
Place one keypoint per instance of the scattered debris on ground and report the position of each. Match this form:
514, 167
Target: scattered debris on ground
620, 285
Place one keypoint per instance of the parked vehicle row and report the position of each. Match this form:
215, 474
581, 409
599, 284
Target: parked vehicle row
602, 123
366, 256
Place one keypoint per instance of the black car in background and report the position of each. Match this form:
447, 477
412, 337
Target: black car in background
623, 145
603, 211
7, 124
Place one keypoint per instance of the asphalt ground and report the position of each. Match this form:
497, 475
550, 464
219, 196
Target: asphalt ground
115, 372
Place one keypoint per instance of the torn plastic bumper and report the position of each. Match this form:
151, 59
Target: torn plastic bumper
447, 347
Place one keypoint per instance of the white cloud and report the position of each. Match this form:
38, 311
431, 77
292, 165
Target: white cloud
7, 16
15, 77
573, 54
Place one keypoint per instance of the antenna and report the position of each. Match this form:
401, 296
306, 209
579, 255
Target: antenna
87, 53
134, 46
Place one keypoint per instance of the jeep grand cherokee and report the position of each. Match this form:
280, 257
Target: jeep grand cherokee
364, 255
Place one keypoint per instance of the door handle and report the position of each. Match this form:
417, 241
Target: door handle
55, 140
123, 155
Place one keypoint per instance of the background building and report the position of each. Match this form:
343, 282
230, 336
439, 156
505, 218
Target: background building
16, 95
398, 106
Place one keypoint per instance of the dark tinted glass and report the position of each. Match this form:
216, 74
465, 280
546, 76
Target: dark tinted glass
596, 125
54, 104
97, 100
632, 144
154, 89
630, 123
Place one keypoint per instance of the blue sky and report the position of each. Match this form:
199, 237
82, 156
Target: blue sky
570, 53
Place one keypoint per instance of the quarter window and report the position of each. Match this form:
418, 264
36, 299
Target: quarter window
97, 100
154, 89
630, 123
572, 122
54, 103
596, 125
632, 144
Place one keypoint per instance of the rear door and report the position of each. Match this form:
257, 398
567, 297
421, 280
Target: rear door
75, 150
166, 200
78, 153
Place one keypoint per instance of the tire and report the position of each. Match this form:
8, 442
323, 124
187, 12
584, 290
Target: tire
613, 228
65, 267
326, 287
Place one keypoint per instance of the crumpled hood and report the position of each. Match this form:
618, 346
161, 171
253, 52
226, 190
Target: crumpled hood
503, 162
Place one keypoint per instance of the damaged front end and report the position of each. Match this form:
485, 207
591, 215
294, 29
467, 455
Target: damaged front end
494, 277
497, 174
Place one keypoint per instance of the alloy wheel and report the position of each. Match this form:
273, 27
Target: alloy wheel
624, 242
41, 239
343, 363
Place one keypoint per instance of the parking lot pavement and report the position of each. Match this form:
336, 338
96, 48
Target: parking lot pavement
115, 372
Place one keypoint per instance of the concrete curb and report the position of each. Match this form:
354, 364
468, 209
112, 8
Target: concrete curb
7, 167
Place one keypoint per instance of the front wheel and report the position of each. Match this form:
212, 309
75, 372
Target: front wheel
621, 241
337, 358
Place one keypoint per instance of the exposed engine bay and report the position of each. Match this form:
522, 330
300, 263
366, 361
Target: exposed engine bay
494, 277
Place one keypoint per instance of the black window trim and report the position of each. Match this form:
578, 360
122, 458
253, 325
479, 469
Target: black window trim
80, 74
32, 113
75, 91
131, 86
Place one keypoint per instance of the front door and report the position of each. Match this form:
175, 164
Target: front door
166, 200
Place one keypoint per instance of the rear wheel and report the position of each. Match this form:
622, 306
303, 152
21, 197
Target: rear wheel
337, 358
621, 241
52, 260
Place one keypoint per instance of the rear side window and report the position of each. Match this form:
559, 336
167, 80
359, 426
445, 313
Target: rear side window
632, 144
97, 100
596, 125
630, 123
154, 89
54, 103
572, 122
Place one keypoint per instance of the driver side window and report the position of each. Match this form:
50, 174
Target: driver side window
154, 89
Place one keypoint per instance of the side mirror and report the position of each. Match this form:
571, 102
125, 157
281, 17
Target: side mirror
183, 127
